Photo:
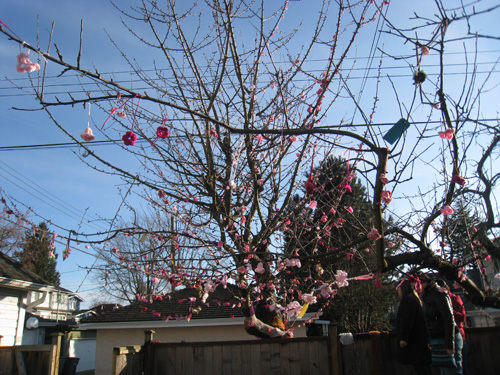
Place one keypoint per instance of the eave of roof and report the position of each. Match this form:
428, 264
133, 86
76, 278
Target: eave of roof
173, 323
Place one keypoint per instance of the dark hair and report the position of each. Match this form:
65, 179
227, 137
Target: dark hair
425, 278
443, 284
407, 289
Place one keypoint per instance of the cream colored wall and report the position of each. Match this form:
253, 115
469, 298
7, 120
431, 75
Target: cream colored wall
107, 339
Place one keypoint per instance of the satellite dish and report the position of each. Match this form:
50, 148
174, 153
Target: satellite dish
32, 323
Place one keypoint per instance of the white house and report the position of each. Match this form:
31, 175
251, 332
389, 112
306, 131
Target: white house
22, 291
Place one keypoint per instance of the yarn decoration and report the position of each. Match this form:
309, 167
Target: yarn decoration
161, 132
24, 64
310, 185
129, 138
87, 134
118, 110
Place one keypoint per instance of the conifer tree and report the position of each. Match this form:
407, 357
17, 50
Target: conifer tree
37, 255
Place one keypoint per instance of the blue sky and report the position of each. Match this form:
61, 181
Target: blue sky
54, 182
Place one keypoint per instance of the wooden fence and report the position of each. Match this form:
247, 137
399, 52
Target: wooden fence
371, 353
31, 359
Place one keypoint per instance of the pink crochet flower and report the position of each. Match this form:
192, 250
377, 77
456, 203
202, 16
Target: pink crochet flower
374, 235
259, 268
447, 134
384, 179
162, 132
309, 298
129, 138
310, 185
386, 196
294, 308
446, 210
341, 278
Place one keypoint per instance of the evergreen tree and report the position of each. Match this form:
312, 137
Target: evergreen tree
327, 235
37, 255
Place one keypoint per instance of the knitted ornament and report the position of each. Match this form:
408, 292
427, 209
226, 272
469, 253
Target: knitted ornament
161, 132
24, 64
420, 77
87, 135
129, 138
310, 185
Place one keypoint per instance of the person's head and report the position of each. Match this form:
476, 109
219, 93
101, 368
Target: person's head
405, 288
443, 284
425, 279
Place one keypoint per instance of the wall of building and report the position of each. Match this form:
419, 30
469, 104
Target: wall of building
107, 339
12, 313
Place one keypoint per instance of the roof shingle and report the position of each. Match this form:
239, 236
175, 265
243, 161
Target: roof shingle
222, 303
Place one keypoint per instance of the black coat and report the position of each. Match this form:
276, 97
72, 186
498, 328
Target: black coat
439, 315
412, 329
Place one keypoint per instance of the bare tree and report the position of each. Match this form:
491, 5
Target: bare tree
238, 105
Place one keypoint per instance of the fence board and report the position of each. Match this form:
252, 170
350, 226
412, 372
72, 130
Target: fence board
265, 358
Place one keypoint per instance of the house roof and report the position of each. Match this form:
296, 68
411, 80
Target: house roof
12, 269
14, 274
221, 304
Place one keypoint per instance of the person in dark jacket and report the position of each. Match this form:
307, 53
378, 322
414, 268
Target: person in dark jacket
413, 339
445, 336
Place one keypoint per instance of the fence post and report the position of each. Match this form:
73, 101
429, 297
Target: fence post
56, 352
147, 353
335, 350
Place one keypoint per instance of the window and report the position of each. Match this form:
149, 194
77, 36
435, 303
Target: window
35, 295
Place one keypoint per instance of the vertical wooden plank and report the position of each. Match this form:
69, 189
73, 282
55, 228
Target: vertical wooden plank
162, 363
304, 359
208, 359
21, 367
275, 358
226, 359
294, 355
285, 357
313, 357
56, 340
180, 358
189, 360
265, 358
335, 352
216, 360
198, 364
236, 358
246, 360
255, 358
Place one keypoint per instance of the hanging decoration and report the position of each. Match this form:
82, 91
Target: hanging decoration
24, 64
396, 131
130, 137
118, 110
310, 185
87, 134
161, 132
419, 77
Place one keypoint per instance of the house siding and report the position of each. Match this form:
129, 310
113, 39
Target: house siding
12, 316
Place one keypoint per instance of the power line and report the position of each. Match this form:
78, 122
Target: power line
63, 145
282, 62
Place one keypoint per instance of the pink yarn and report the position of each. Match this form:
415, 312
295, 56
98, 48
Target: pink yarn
24, 64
